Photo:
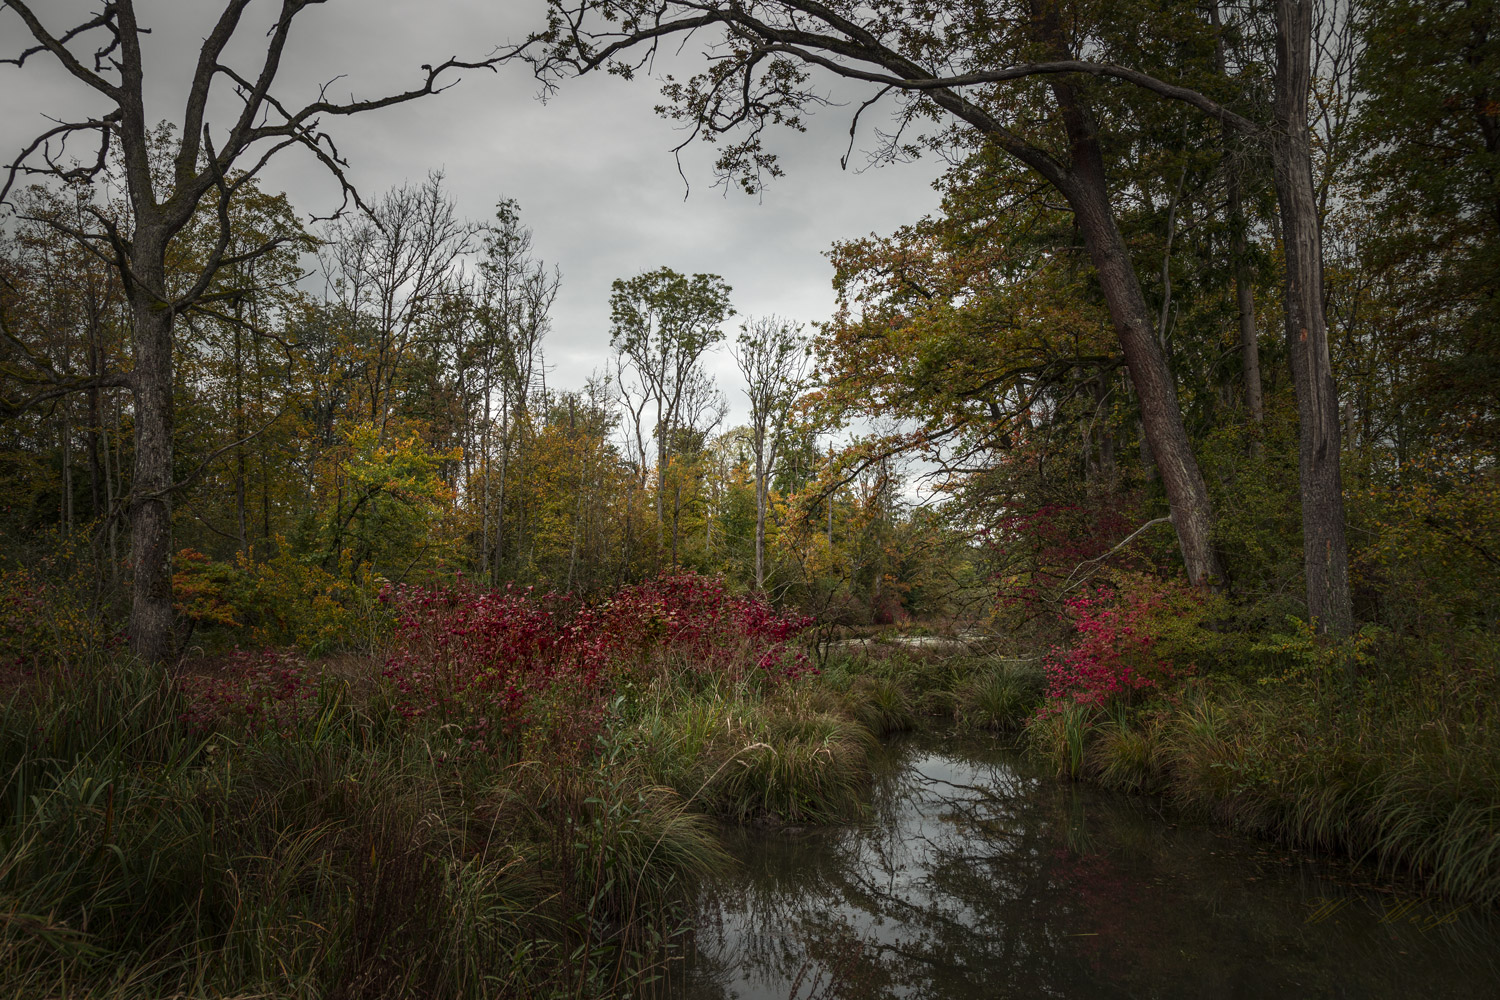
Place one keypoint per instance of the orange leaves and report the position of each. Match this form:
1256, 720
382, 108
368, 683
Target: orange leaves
201, 589
955, 312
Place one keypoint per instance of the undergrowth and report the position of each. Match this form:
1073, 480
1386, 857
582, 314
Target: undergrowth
1394, 762
346, 857
519, 799
523, 796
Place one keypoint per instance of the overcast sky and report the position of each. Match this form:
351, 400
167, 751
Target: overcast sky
591, 169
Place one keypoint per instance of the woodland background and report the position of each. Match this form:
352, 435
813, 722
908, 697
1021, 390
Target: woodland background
369, 399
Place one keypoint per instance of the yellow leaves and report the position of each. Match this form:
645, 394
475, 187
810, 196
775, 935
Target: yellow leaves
202, 590
943, 310
1431, 541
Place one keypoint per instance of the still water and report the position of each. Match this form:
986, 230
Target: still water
977, 876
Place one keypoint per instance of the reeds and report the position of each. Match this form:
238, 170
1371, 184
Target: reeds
1002, 698
1370, 770
344, 859
796, 757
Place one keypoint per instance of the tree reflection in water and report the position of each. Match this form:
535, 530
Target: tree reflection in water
975, 877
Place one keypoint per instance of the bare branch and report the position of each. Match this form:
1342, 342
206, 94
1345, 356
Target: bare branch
58, 45
19, 166
202, 466
1069, 583
208, 64
854, 124
60, 388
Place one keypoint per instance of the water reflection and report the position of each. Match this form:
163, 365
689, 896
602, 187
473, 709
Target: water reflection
975, 878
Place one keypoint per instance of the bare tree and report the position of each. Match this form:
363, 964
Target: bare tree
633, 395
390, 269
517, 294
208, 167
772, 356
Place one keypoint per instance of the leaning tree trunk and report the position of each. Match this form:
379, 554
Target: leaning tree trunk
150, 510
1161, 417
1087, 192
1325, 553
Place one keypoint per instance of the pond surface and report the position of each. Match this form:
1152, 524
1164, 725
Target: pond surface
977, 876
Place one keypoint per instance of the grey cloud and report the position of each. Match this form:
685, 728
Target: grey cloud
591, 168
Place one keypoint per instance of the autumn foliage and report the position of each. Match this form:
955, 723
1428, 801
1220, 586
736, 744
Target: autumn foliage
506, 660
512, 665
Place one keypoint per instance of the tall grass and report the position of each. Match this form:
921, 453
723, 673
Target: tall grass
347, 858
1399, 768
796, 757
891, 690
1001, 698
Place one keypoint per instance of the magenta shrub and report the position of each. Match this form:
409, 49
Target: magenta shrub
511, 660
1117, 648
691, 622
503, 663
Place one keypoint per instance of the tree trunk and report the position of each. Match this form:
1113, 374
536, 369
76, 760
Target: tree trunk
96, 416
760, 519
1325, 552
661, 485
1161, 418
239, 436
676, 516
1106, 467
150, 487
1244, 290
65, 439
1244, 294
1086, 187
110, 492
830, 505
260, 446
500, 493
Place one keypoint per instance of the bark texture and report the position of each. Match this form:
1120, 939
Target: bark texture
1087, 190
1161, 417
150, 509
1325, 551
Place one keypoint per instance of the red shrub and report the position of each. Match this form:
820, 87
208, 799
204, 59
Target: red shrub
1120, 643
259, 690
511, 663
503, 661
693, 623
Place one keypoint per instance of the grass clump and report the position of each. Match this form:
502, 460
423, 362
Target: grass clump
793, 758
1398, 766
895, 690
1002, 698
882, 705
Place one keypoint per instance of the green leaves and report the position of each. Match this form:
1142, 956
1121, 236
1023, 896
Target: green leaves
661, 316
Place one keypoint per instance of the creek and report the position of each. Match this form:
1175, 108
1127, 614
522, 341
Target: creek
976, 875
